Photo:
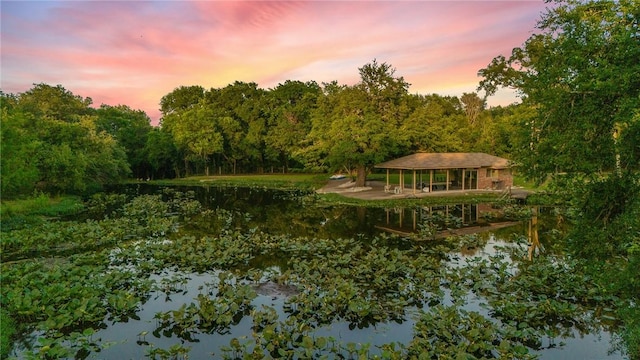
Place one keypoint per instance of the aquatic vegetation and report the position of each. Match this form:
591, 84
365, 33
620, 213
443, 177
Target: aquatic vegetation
7, 331
151, 249
449, 332
144, 216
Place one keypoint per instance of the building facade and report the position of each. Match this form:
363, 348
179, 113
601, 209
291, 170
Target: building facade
429, 172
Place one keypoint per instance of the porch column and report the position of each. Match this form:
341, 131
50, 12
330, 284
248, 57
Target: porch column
414, 181
387, 178
431, 180
463, 179
447, 179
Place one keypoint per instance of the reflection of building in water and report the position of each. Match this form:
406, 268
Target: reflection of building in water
456, 219
534, 240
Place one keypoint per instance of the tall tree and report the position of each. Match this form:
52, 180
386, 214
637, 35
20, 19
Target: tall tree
19, 150
291, 105
581, 72
173, 106
197, 132
181, 98
130, 128
364, 120
581, 75
429, 127
54, 102
473, 106
55, 134
241, 111
162, 154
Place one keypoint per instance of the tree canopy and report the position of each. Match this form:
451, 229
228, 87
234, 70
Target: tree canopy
54, 140
580, 71
580, 75
51, 141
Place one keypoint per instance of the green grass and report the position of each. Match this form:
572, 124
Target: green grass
271, 181
316, 181
41, 204
337, 199
17, 214
524, 183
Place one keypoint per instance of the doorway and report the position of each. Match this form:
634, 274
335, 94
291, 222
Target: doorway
471, 179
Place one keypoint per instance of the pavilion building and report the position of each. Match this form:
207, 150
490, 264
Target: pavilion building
432, 172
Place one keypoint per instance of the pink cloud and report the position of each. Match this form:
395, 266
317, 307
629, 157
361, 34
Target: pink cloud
135, 52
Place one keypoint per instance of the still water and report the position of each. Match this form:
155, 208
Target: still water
284, 212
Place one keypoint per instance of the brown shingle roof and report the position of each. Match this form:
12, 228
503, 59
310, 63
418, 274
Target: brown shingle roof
445, 161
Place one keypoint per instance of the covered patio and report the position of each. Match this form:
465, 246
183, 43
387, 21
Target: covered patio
431, 172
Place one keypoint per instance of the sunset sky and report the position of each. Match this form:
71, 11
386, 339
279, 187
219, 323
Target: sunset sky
134, 52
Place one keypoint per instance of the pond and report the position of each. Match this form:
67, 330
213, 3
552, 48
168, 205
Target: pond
206, 272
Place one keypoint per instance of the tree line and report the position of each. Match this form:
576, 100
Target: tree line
328, 127
579, 114
53, 140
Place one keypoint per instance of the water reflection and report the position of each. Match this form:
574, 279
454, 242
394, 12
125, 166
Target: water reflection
535, 247
284, 212
458, 219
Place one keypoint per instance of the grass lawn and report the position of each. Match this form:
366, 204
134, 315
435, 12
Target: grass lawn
338, 199
272, 181
41, 204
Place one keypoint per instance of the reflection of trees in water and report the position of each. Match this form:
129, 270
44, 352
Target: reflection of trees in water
535, 247
287, 212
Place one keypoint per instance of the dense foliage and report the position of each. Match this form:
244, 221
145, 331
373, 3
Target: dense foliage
580, 74
305, 126
52, 140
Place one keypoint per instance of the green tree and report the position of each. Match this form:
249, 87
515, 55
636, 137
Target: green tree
240, 111
291, 105
363, 120
197, 132
130, 128
50, 140
173, 106
473, 106
181, 98
428, 127
54, 102
162, 154
580, 74
500, 129
19, 151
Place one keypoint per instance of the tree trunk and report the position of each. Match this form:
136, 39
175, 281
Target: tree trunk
361, 175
